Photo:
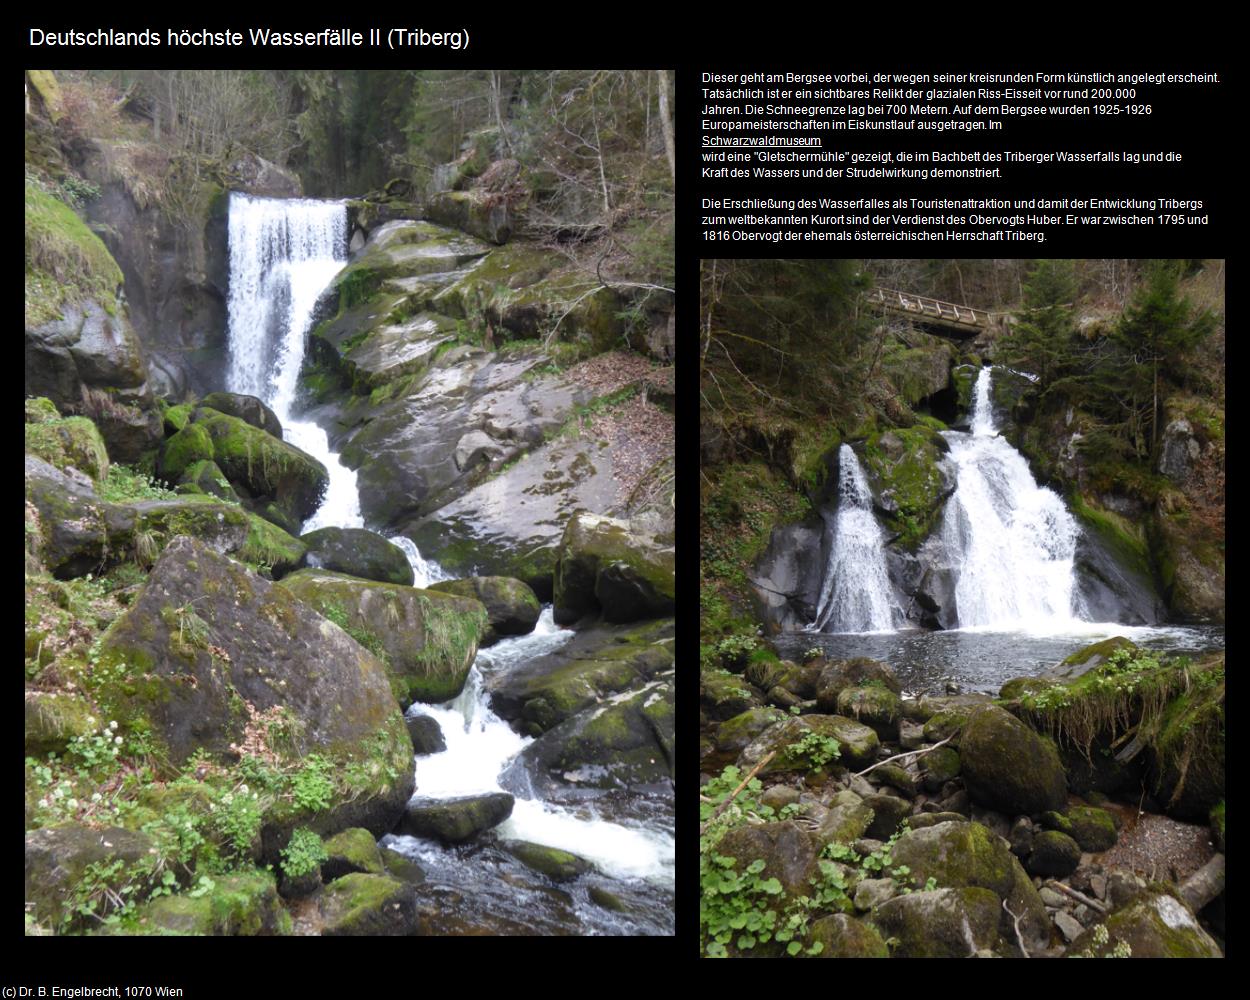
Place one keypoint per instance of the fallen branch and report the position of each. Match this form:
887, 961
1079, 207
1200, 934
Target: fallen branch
1080, 897
1204, 885
725, 805
1019, 937
909, 753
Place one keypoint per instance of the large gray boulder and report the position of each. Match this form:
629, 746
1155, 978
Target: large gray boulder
511, 606
608, 566
358, 553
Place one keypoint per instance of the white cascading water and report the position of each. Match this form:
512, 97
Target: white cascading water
283, 254
856, 595
1013, 541
480, 745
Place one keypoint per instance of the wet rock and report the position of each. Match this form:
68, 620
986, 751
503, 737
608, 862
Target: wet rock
354, 850
512, 608
557, 865
356, 552
457, 819
360, 905
427, 735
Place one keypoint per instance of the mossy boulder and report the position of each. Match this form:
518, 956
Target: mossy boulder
1093, 829
428, 640
54, 718
456, 820
208, 644
903, 469
961, 854
1008, 767
595, 664
72, 442
626, 743
259, 464
841, 936
57, 859
557, 865
1088, 658
474, 212
1187, 768
73, 532
789, 853
939, 766
269, 547
221, 527
512, 607
857, 743
848, 818
609, 566
356, 552
944, 923
724, 696
878, 707
735, 735
207, 478
1190, 558
1054, 854
247, 408
182, 451
855, 673
240, 905
1154, 926
367, 905
354, 850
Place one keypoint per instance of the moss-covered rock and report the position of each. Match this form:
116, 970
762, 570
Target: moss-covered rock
878, 707
1009, 767
592, 666
457, 819
842, 936
724, 696
1155, 926
473, 212
789, 853
557, 865
960, 854
264, 466
58, 860
512, 607
625, 743
1093, 829
72, 531
269, 547
1088, 658
944, 923
247, 408
208, 645
356, 552
365, 905
1054, 853
856, 673
1190, 558
54, 718
1188, 763
428, 640
70, 442
902, 466
607, 565
857, 744
735, 735
939, 767
239, 905
354, 850
207, 478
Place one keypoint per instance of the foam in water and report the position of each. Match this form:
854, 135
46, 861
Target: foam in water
1014, 542
480, 746
283, 254
856, 594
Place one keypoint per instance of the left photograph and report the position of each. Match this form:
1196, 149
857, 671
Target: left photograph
349, 521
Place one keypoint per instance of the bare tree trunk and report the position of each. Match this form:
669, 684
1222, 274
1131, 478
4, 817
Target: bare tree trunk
666, 124
1204, 885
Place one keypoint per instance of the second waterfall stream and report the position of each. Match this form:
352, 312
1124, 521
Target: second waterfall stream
283, 255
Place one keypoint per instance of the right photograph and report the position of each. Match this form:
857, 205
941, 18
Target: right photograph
962, 531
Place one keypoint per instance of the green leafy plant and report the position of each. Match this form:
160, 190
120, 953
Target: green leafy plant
812, 750
303, 853
311, 786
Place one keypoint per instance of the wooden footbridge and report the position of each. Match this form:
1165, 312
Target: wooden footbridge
946, 317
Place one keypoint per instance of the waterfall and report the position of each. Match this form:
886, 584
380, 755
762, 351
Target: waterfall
424, 571
283, 254
855, 596
1012, 541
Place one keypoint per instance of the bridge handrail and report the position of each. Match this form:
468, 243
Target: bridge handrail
924, 304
